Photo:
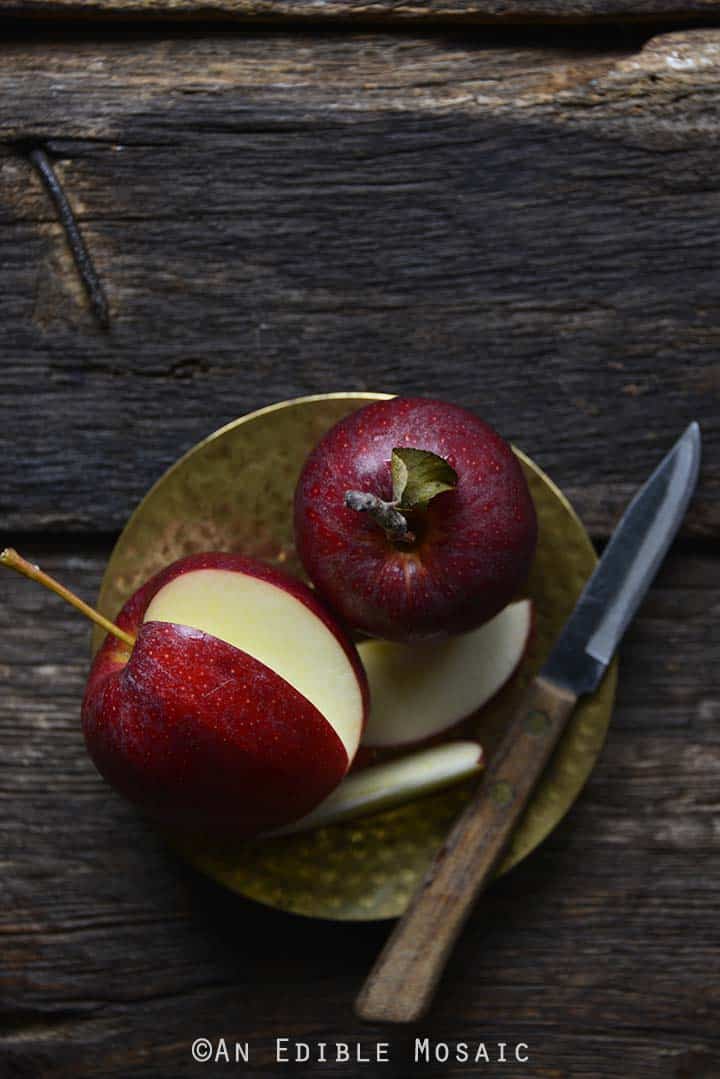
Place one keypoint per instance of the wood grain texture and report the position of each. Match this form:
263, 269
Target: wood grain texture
530, 230
600, 951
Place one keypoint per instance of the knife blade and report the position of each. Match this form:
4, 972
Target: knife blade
402, 983
631, 559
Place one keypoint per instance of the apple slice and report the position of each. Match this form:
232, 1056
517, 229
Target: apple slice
418, 691
384, 786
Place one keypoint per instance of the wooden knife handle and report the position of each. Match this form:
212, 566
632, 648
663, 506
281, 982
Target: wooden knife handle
400, 987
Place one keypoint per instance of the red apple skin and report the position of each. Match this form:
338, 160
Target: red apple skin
474, 545
202, 736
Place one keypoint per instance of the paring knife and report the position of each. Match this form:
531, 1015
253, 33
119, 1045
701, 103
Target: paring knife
401, 985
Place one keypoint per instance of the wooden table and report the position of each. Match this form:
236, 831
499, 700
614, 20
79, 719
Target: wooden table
521, 220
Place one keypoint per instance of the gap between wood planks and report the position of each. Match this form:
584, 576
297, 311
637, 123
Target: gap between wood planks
515, 18
605, 32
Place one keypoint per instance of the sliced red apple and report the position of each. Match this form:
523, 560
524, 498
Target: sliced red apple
232, 703
269, 623
418, 691
384, 786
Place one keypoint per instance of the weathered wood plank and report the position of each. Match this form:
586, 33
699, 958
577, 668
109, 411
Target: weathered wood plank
599, 951
532, 231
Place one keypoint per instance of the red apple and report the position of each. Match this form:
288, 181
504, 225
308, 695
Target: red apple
409, 545
240, 706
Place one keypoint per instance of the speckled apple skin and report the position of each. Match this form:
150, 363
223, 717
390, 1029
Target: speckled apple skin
475, 543
200, 735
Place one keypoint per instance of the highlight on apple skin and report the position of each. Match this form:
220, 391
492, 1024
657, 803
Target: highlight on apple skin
414, 520
240, 706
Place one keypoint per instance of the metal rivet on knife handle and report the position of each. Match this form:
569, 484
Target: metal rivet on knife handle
537, 722
502, 793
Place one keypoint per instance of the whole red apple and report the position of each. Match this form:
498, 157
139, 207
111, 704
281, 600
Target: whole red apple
238, 709
411, 545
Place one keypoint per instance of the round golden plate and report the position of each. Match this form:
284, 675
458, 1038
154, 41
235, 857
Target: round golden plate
234, 492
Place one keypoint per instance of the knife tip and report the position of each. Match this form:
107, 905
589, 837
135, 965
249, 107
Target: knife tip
692, 435
691, 443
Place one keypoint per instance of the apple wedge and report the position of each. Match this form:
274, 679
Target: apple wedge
384, 786
418, 691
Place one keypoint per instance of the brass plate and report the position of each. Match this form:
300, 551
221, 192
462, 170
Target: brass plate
234, 491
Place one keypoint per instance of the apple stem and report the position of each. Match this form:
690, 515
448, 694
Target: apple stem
13, 560
386, 514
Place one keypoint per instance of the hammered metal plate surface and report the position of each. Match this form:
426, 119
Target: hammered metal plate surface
233, 492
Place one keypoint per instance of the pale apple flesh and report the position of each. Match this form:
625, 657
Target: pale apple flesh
393, 783
204, 735
418, 691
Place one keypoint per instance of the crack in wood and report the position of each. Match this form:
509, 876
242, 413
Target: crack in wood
38, 157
